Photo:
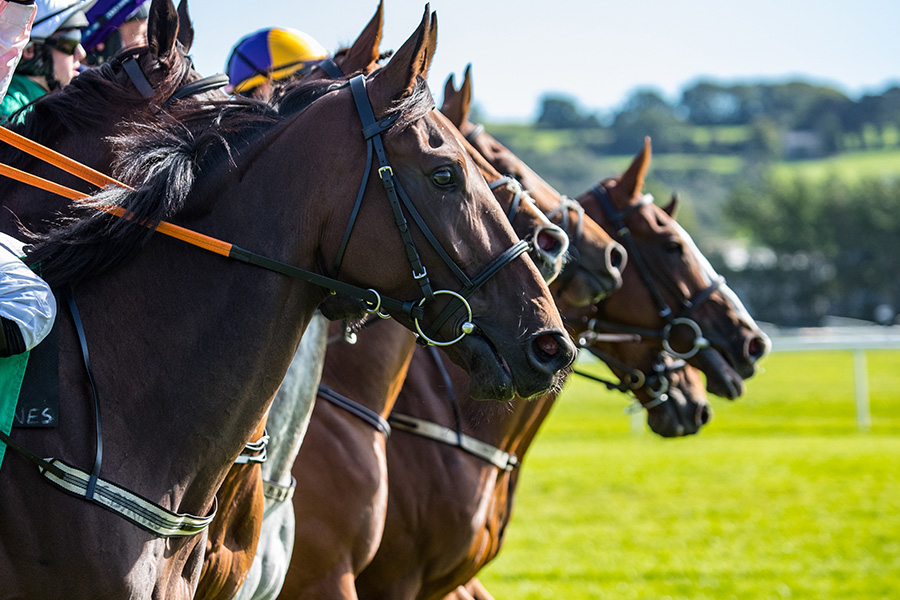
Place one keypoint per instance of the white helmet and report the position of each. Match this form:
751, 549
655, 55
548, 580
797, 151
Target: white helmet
53, 15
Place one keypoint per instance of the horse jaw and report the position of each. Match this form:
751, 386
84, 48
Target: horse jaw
721, 378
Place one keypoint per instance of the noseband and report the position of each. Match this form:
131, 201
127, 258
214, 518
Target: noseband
657, 383
399, 199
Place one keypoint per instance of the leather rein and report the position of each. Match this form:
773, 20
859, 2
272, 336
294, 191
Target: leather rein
657, 383
140, 511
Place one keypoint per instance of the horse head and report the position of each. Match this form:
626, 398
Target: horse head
595, 260
450, 192
671, 297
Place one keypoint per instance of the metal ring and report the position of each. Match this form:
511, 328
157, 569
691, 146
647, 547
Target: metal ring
461, 336
377, 304
699, 340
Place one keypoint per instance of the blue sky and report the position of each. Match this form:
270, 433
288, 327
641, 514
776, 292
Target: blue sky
593, 51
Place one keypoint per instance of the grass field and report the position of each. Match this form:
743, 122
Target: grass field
778, 497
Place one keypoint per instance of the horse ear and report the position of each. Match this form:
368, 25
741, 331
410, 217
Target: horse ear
398, 77
162, 29
363, 53
633, 179
185, 27
672, 207
451, 106
456, 104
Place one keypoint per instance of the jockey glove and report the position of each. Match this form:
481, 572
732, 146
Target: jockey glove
11, 341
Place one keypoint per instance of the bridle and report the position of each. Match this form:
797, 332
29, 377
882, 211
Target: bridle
657, 383
372, 130
156, 519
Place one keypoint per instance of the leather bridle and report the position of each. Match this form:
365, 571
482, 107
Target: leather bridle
657, 383
399, 199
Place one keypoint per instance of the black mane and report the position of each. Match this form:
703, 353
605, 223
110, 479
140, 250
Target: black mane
162, 159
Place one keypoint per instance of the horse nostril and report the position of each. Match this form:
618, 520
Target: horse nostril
756, 348
704, 415
547, 344
552, 241
551, 352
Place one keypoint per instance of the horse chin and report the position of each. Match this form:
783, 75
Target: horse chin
490, 377
585, 289
679, 416
721, 378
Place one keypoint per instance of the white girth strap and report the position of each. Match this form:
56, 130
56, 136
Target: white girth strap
140, 511
483, 450
278, 492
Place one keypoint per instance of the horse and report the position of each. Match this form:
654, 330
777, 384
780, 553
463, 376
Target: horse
257, 177
236, 565
287, 429
468, 454
78, 119
644, 369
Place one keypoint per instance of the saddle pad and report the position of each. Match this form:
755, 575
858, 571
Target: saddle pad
12, 370
39, 397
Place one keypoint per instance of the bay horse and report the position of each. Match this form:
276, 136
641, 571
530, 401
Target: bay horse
340, 469
472, 473
672, 409
255, 177
78, 120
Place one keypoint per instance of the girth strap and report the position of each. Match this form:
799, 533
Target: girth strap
356, 409
278, 492
140, 511
495, 456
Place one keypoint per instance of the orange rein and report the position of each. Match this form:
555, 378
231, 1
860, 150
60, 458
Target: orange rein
96, 178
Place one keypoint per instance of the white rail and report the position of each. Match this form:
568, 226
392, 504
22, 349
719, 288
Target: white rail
858, 340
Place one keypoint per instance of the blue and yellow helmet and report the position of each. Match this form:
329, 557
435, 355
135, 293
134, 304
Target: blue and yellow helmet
270, 54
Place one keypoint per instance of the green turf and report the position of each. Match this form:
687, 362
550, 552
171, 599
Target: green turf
779, 497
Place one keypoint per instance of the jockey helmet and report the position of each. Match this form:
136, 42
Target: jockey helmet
271, 54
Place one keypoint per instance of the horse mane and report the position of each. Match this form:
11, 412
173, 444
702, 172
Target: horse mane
85, 104
162, 159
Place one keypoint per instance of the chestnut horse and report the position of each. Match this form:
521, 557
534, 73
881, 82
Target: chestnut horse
283, 183
340, 469
472, 474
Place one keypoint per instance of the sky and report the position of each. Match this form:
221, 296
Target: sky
594, 52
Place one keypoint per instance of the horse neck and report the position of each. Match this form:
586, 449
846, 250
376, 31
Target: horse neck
371, 372
290, 411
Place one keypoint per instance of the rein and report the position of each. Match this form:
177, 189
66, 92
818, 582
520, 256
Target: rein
138, 510
657, 383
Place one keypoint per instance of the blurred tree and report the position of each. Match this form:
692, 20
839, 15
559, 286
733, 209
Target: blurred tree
560, 112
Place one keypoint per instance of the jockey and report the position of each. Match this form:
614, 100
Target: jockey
132, 32
27, 306
270, 55
52, 57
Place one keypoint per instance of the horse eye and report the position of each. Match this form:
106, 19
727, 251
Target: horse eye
443, 178
673, 247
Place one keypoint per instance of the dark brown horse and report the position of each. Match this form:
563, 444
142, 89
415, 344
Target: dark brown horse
187, 349
79, 119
